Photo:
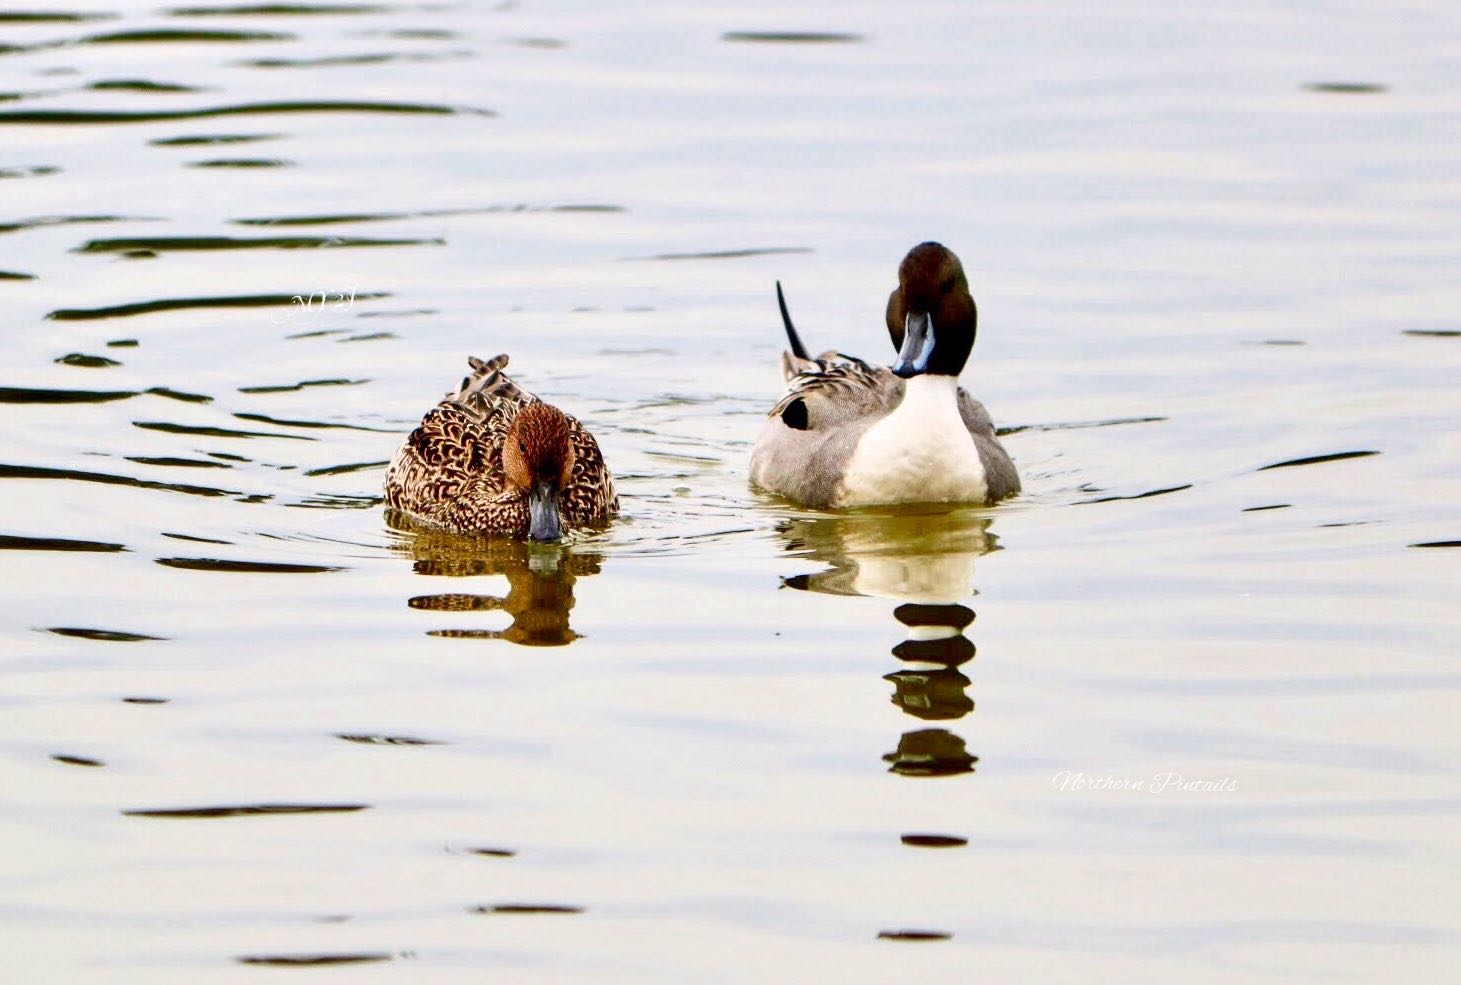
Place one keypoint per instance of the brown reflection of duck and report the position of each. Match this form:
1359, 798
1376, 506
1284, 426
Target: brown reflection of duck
910, 554
540, 581
926, 561
930, 752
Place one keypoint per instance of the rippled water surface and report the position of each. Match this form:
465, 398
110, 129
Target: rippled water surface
250, 731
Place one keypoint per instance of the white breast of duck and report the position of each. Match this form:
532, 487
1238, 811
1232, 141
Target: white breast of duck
921, 452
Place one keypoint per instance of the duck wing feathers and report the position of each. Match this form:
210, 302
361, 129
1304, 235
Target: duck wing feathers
833, 389
1000, 475
811, 433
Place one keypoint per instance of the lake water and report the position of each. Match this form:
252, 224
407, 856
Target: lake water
1175, 714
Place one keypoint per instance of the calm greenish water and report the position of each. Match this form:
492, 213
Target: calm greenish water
1175, 714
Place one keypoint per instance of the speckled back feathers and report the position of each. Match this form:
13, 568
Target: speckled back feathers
449, 472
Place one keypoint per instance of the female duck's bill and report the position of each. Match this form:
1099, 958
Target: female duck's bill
492, 458
847, 433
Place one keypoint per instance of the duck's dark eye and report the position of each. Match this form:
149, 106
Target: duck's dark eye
947, 285
522, 446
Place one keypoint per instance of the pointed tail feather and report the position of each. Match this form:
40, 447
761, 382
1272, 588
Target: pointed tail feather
488, 384
487, 365
797, 349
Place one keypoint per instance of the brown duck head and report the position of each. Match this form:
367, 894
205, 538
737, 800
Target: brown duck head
931, 315
537, 459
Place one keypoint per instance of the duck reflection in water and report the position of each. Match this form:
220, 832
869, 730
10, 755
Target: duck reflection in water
540, 580
925, 560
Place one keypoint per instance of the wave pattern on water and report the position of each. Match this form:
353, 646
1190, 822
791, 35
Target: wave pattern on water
244, 810
16, 542
183, 304
82, 116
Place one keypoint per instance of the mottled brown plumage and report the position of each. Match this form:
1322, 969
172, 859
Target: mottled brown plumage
480, 456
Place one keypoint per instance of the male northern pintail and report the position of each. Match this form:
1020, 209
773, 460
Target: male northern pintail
847, 433
492, 458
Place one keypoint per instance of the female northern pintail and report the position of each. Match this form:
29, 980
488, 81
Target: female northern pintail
847, 433
492, 458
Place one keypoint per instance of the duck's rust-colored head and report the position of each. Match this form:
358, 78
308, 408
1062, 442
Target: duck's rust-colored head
931, 315
537, 459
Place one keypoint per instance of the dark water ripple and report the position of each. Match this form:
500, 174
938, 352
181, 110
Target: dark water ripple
213, 432
180, 395
1347, 88
245, 109
28, 395
183, 463
371, 739
266, 419
346, 469
38, 171
302, 384
1077, 425
1141, 495
242, 162
15, 542
314, 960
278, 10
141, 85
65, 220
245, 810
104, 635
525, 908
70, 760
756, 251
245, 567
181, 35
792, 37
51, 17
914, 935
371, 58
190, 538
416, 33
933, 841
209, 140
339, 501
357, 217
1338, 456
40, 472
182, 304
164, 244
